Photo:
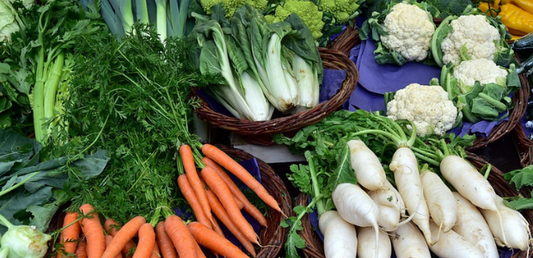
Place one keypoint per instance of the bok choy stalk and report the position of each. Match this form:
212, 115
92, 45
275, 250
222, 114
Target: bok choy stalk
239, 91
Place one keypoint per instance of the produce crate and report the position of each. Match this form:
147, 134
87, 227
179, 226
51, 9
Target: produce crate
350, 38
273, 236
260, 132
524, 146
314, 245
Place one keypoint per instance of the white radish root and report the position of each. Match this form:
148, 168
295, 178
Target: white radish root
472, 226
407, 177
408, 242
508, 226
367, 166
340, 237
391, 207
439, 198
452, 245
367, 244
356, 207
467, 180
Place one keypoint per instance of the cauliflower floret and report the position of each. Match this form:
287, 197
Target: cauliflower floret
409, 31
306, 10
482, 70
428, 107
475, 33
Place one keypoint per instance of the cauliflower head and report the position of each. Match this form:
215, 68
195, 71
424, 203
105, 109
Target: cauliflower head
428, 107
409, 30
482, 70
342, 10
306, 10
475, 34
231, 5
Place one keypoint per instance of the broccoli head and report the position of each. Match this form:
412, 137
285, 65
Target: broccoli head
231, 5
306, 10
342, 10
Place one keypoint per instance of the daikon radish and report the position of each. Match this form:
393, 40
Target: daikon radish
391, 207
467, 180
356, 207
452, 245
408, 242
367, 166
439, 198
407, 178
367, 244
340, 237
471, 225
512, 230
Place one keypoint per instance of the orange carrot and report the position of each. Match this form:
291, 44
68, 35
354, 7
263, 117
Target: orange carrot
166, 247
247, 205
193, 200
81, 250
178, 232
123, 236
221, 190
240, 172
111, 227
156, 253
219, 211
189, 166
108, 239
199, 251
146, 241
70, 234
216, 227
214, 242
93, 231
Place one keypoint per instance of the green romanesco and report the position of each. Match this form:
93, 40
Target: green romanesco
231, 5
306, 10
342, 10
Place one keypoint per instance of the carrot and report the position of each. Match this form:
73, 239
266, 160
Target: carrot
111, 227
108, 239
178, 232
156, 253
247, 205
199, 251
219, 211
214, 242
146, 241
221, 190
189, 166
193, 200
216, 227
166, 247
124, 235
93, 231
81, 250
69, 235
240, 172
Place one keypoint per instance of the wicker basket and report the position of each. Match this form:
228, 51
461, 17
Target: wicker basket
524, 146
273, 236
260, 132
350, 38
314, 245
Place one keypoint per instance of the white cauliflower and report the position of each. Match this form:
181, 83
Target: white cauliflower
409, 31
428, 107
482, 70
475, 33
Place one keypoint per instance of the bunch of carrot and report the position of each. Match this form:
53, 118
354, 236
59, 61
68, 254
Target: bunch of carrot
208, 191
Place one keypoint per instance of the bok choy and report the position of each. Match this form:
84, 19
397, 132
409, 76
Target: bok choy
264, 66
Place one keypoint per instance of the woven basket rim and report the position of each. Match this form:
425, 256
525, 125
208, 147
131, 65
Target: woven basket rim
520, 98
314, 246
331, 59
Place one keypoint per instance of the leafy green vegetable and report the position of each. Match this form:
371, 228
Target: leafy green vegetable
47, 184
445, 8
132, 98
